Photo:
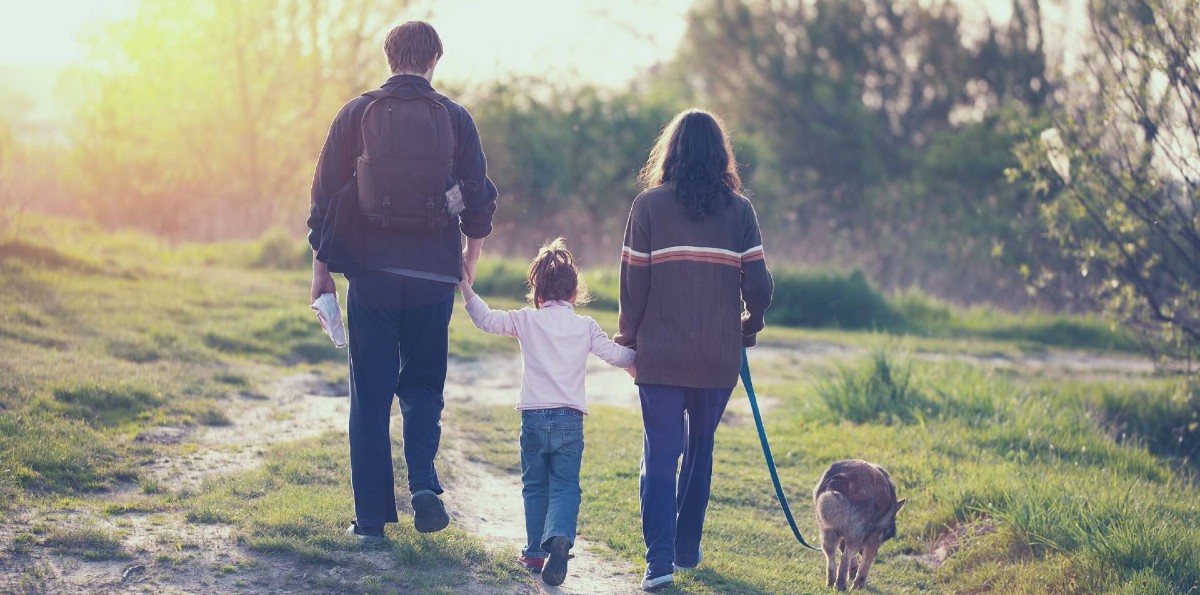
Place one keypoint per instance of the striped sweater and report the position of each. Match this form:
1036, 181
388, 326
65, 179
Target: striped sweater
692, 292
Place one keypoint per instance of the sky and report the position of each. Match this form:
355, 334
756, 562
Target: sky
574, 38
567, 36
485, 39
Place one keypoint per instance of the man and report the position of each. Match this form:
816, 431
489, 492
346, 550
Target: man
401, 283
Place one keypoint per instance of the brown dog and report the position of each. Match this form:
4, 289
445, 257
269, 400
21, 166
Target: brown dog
856, 511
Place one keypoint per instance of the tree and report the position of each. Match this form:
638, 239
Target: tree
1120, 174
202, 118
884, 130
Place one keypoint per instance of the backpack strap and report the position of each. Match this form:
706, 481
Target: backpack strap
405, 91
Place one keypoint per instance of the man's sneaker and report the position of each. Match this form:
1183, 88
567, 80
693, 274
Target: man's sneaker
533, 565
555, 570
654, 583
699, 559
429, 515
366, 534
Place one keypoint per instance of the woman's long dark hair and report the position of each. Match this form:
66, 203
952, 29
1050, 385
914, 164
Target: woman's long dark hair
694, 155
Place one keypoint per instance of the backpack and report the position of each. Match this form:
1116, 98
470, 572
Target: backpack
407, 161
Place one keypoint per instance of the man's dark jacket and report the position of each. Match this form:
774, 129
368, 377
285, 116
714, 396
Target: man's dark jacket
371, 248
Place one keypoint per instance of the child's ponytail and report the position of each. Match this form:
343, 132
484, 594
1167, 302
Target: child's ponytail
554, 276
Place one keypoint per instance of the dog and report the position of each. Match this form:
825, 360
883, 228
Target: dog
856, 512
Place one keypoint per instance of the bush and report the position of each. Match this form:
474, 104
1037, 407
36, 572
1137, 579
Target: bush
820, 299
277, 249
500, 278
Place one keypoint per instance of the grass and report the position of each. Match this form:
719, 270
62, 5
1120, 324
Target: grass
296, 505
108, 334
1066, 485
1070, 506
89, 543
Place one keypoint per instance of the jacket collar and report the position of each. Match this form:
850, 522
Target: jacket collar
408, 79
557, 304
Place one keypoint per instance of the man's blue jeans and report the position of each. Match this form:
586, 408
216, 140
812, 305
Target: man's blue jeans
677, 420
398, 329
551, 454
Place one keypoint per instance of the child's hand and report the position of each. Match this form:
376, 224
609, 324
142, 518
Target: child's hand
632, 371
464, 286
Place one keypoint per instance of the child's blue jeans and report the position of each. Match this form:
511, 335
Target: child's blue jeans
551, 453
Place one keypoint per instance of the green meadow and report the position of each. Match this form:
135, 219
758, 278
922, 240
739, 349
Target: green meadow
131, 365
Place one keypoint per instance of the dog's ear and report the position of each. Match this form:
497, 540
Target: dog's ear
899, 504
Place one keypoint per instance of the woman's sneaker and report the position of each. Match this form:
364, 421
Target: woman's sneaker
533, 565
429, 514
555, 570
654, 583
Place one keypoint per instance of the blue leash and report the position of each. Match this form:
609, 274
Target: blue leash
762, 436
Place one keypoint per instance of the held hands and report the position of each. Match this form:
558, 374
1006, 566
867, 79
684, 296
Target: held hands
465, 285
470, 260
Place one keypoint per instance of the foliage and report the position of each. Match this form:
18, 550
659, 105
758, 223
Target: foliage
567, 150
818, 299
882, 132
202, 119
1123, 208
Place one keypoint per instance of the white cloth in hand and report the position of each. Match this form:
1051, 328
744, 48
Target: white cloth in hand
330, 317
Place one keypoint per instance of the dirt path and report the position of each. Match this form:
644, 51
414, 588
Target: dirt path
169, 554
488, 503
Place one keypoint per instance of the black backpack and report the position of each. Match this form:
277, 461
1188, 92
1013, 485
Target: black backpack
407, 161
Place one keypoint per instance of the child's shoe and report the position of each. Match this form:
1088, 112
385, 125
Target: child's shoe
533, 565
555, 570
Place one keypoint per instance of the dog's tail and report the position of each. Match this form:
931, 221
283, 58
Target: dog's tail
833, 509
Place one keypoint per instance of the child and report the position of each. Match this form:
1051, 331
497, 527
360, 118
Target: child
555, 343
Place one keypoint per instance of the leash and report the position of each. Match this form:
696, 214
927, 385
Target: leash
762, 436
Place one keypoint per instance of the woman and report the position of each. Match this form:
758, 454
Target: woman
692, 255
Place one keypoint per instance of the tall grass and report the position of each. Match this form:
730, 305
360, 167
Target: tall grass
879, 389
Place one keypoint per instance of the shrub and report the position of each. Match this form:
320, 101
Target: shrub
820, 299
277, 249
501, 278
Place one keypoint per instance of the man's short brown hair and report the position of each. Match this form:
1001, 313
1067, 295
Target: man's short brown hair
412, 47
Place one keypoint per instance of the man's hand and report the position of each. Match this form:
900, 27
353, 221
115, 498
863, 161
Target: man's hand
471, 259
322, 281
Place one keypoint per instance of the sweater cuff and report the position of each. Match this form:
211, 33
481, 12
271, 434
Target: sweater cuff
750, 340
